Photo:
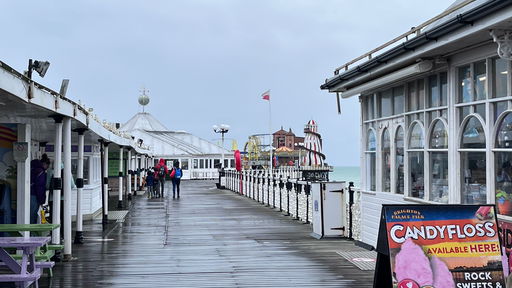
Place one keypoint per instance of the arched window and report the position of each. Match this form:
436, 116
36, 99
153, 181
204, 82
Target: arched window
473, 135
472, 155
416, 157
438, 150
371, 145
503, 166
386, 161
399, 160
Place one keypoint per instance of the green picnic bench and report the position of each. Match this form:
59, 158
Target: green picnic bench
45, 253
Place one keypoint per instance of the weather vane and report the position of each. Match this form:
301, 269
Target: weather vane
143, 98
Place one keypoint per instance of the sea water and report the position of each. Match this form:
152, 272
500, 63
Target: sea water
346, 173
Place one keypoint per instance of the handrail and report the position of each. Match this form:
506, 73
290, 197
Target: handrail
405, 35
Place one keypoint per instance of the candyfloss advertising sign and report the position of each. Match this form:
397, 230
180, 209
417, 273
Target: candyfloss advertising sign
439, 246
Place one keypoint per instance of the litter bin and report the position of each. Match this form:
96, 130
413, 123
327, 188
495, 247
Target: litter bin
329, 210
222, 179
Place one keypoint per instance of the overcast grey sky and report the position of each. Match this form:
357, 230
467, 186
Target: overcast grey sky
207, 62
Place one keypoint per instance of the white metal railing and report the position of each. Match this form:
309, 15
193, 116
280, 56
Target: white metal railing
283, 190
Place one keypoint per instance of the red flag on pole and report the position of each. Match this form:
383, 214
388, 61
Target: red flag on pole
266, 95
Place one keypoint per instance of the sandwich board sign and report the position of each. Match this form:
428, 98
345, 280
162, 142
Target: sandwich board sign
439, 246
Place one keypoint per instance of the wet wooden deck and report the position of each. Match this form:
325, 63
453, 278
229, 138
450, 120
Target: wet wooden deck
207, 238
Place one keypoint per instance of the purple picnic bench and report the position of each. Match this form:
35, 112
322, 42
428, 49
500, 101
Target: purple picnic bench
27, 271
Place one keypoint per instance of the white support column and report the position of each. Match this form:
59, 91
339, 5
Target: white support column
142, 173
79, 238
23, 179
66, 186
129, 176
135, 169
120, 202
105, 183
55, 210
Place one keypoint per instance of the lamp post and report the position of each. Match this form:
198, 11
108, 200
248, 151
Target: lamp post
222, 129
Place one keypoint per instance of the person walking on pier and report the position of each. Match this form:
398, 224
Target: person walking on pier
37, 185
150, 180
176, 174
160, 173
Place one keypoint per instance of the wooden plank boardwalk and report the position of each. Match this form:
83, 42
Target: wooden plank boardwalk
207, 238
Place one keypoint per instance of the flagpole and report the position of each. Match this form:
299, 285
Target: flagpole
270, 134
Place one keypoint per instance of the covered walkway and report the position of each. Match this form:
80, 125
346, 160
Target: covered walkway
207, 238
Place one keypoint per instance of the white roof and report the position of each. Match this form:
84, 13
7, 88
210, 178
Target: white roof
169, 143
143, 121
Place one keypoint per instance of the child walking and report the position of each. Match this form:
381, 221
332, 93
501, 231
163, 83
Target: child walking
150, 180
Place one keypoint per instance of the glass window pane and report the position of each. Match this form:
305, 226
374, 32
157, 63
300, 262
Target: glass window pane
385, 103
499, 108
421, 94
201, 164
504, 182
480, 110
386, 162
412, 96
473, 135
371, 143
370, 171
370, 107
417, 174
398, 100
481, 80
439, 137
465, 84
184, 164
196, 164
416, 140
463, 112
444, 88
439, 174
399, 161
473, 182
504, 134
500, 77
433, 91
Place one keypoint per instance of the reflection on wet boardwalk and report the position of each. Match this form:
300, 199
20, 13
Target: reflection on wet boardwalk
207, 238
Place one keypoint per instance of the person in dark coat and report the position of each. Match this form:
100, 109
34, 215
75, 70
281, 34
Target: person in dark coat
150, 180
176, 174
37, 185
160, 174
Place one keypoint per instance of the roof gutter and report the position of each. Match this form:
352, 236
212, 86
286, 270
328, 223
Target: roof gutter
464, 19
418, 68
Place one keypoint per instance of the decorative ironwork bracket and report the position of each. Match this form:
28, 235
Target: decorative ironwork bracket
504, 43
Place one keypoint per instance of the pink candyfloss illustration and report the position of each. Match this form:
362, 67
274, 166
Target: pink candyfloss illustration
411, 263
443, 278
504, 262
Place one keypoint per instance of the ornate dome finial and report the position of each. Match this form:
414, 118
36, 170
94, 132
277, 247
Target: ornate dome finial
143, 98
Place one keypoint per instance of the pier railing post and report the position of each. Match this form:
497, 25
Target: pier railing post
274, 184
295, 185
350, 204
281, 186
307, 191
288, 189
258, 185
299, 190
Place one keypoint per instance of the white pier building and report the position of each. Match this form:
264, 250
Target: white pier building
436, 105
